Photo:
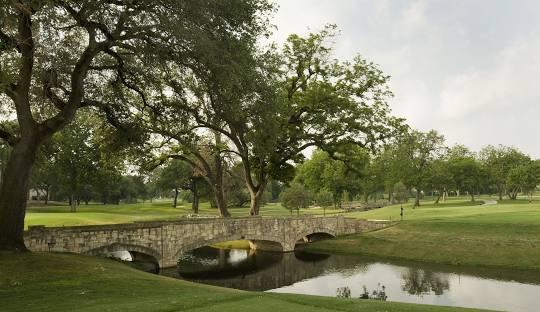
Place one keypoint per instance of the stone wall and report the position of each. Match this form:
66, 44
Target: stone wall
166, 241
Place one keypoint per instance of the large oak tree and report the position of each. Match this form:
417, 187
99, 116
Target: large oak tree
59, 56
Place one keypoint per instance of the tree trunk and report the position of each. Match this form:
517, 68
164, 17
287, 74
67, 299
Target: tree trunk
417, 200
13, 192
255, 200
438, 197
219, 198
46, 195
500, 189
472, 196
72, 203
219, 194
195, 201
175, 197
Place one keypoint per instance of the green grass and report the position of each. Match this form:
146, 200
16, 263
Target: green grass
235, 244
63, 282
458, 232
57, 214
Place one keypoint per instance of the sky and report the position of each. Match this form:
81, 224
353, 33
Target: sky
469, 69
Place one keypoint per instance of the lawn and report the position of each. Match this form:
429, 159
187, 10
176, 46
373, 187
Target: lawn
458, 232
57, 214
63, 282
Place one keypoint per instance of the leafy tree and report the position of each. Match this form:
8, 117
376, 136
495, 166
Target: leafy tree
324, 198
318, 102
372, 182
236, 193
141, 187
414, 153
323, 172
44, 175
295, 197
275, 189
174, 177
387, 168
439, 178
523, 178
468, 173
75, 159
106, 182
499, 161
400, 192
59, 56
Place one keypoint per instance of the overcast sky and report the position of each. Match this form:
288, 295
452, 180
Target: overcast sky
469, 69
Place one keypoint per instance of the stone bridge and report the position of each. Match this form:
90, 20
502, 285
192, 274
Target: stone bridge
166, 241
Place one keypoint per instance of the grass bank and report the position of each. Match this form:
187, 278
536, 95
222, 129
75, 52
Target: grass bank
505, 235
235, 244
63, 282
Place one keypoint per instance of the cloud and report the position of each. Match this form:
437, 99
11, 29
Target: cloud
412, 20
509, 84
465, 68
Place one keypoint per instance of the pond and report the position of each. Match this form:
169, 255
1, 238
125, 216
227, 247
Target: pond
327, 275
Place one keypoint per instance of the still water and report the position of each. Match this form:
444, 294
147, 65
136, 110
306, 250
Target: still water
321, 274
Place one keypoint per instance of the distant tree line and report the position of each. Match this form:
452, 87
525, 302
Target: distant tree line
414, 165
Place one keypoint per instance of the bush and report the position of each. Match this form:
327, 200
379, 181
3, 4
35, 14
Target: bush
295, 197
324, 198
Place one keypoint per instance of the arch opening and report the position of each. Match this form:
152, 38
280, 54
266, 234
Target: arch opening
313, 237
142, 258
224, 259
254, 242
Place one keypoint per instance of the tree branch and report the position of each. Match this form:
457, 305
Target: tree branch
22, 91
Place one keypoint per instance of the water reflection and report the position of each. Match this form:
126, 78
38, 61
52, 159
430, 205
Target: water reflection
249, 269
316, 274
223, 266
420, 282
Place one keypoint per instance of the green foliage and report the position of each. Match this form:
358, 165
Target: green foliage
523, 177
439, 176
400, 192
295, 197
324, 198
499, 161
322, 172
175, 175
468, 173
234, 187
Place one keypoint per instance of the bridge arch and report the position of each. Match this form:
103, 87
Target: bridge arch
264, 242
136, 251
315, 234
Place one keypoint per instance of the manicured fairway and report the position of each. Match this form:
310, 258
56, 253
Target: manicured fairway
57, 214
61, 282
457, 232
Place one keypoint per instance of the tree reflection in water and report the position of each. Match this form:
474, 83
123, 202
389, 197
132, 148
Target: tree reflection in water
419, 282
